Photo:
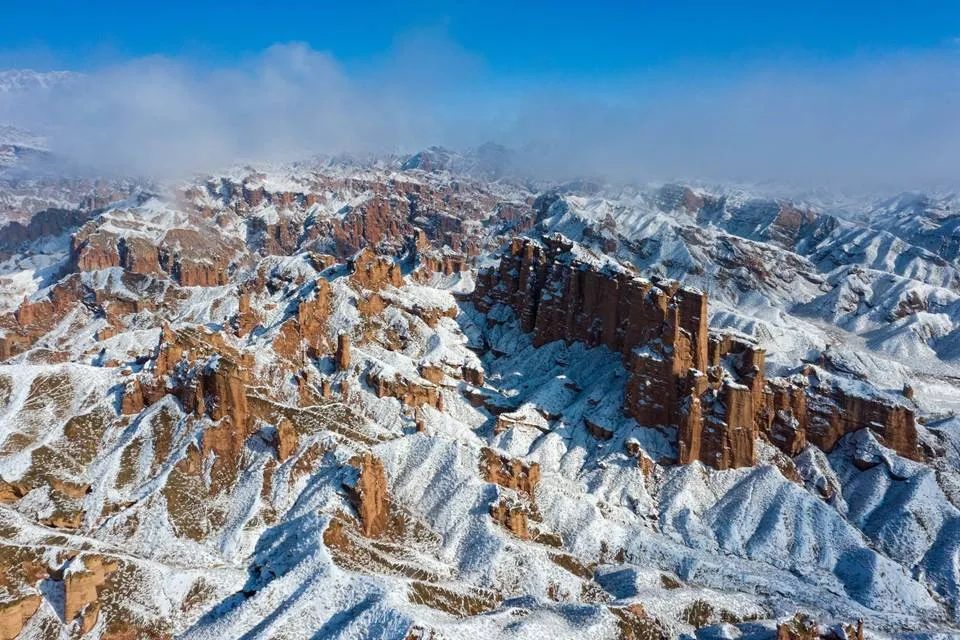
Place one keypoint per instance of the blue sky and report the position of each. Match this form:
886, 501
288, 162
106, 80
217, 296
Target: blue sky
568, 39
814, 93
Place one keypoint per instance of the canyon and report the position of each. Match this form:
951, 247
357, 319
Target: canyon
452, 406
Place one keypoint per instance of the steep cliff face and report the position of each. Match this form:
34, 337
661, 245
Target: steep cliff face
208, 378
304, 334
246, 319
512, 473
712, 388
369, 496
198, 256
208, 481
15, 614
373, 272
833, 412
34, 318
82, 588
342, 358
412, 393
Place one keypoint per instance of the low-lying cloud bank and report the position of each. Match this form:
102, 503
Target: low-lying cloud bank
888, 122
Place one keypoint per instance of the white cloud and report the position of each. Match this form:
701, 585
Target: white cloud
873, 122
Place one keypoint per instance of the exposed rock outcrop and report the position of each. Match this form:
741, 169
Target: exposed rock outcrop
369, 496
512, 516
286, 440
512, 473
15, 614
801, 627
407, 391
343, 352
712, 388
373, 272
82, 588
246, 319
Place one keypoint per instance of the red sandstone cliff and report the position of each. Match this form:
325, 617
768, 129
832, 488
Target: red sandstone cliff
713, 389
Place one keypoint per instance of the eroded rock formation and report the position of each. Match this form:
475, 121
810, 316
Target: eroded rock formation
373, 272
409, 392
82, 590
343, 352
512, 516
512, 473
286, 439
15, 614
369, 496
712, 388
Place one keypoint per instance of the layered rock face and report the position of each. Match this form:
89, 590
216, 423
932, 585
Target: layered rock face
190, 256
408, 391
712, 388
32, 319
373, 272
210, 380
342, 358
305, 334
246, 319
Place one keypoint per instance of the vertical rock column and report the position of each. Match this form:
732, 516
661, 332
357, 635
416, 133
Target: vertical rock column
343, 352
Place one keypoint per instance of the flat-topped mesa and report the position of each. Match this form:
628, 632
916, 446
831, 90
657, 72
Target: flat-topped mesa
711, 388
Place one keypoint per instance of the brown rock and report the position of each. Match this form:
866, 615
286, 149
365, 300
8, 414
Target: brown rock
373, 272
409, 392
10, 492
92, 249
246, 319
713, 389
512, 517
432, 372
833, 413
82, 590
369, 496
511, 473
473, 375
132, 402
286, 439
139, 255
596, 430
342, 358
15, 614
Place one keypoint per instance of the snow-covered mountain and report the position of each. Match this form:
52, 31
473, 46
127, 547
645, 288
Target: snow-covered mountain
414, 397
19, 80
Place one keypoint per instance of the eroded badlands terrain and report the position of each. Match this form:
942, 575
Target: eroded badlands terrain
410, 398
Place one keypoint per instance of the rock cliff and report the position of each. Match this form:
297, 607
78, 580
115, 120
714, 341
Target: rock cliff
712, 388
